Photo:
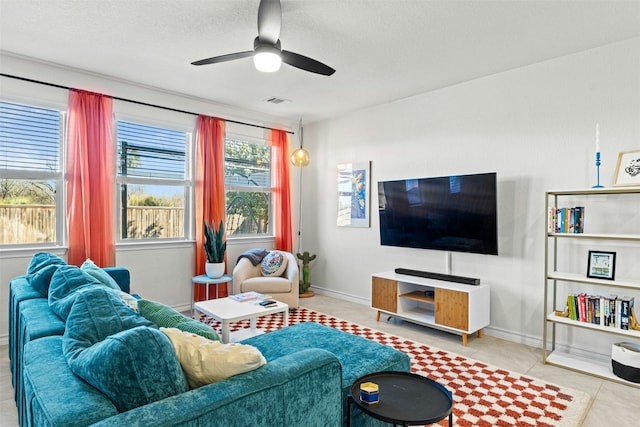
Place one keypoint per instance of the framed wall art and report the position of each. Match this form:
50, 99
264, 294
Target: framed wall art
628, 169
354, 183
601, 265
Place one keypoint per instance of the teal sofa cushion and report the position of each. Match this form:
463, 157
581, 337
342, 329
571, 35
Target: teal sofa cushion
132, 368
55, 396
41, 269
119, 352
36, 321
66, 283
300, 390
96, 272
42, 259
358, 356
96, 314
19, 291
166, 317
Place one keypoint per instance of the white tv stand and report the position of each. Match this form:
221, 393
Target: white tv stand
452, 307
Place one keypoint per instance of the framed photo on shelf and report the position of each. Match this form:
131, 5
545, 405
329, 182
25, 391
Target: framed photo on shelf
601, 265
628, 169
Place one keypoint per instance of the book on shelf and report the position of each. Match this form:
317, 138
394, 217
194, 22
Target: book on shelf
611, 311
249, 296
566, 220
579, 219
626, 304
582, 307
571, 309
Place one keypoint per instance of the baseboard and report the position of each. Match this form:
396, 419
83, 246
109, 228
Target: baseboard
490, 331
184, 308
341, 295
507, 335
4, 339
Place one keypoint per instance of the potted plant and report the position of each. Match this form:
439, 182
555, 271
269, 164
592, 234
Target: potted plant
304, 290
214, 246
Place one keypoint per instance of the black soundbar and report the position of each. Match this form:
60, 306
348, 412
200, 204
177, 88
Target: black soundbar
439, 276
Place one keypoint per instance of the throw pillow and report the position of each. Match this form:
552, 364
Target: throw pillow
96, 314
41, 269
166, 317
274, 264
132, 368
205, 361
92, 269
42, 259
67, 281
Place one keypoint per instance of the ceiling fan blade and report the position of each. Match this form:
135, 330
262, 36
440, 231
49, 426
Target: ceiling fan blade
224, 58
269, 21
306, 63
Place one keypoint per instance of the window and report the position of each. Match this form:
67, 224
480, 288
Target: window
153, 181
30, 175
247, 180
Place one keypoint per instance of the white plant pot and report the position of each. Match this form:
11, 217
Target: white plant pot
214, 270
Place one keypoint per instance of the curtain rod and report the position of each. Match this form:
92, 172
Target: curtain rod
135, 102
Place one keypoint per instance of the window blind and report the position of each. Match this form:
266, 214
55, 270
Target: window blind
151, 152
30, 138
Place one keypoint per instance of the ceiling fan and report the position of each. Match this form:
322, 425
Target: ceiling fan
267, 52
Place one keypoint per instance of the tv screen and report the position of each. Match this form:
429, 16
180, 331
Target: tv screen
450, 213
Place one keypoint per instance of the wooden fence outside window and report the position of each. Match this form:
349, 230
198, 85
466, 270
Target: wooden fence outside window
37, 223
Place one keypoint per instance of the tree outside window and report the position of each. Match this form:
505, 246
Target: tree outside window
248, 187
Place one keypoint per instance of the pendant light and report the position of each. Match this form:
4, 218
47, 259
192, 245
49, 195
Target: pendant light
300, 157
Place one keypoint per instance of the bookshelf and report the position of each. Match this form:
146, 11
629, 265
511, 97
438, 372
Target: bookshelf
561, 278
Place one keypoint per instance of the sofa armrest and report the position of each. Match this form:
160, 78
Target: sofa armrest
302, 388
292, 272
121, 276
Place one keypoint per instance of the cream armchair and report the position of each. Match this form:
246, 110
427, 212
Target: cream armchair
285, 288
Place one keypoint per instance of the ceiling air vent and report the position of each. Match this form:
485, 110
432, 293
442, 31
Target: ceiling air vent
276, 100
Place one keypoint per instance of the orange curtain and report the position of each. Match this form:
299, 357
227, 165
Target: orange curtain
281, 191
209, 190
90, 174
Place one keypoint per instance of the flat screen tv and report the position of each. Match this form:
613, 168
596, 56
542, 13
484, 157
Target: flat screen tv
450, 213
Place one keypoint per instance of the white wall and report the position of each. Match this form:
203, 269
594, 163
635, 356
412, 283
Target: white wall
159, 272
534, 126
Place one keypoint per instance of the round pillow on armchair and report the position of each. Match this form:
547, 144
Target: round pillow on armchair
273, 264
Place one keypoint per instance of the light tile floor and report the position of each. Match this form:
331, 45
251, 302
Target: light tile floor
612, 403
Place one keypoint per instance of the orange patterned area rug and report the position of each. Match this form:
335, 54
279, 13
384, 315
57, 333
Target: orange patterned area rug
484, 395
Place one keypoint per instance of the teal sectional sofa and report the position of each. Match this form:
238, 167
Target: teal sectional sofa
80, 357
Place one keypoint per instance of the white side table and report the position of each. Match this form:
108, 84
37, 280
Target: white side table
203, 279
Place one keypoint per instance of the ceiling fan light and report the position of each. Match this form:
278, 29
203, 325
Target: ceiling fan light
300, 157
267, 62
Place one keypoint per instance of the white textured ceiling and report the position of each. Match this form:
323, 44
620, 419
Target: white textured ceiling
383, 50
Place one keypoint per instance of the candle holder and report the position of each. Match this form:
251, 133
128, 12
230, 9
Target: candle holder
597, 171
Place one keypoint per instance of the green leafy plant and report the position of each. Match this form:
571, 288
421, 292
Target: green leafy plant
214, 243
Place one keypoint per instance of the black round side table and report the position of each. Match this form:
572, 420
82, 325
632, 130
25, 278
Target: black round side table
404, 398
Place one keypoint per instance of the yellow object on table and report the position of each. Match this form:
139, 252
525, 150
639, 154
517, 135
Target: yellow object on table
369, 393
